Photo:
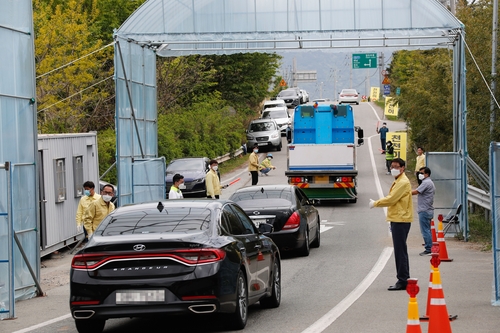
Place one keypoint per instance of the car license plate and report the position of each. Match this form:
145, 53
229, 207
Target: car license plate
258, 222
140, 296
263, 144
321, 179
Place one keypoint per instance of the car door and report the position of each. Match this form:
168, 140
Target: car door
248, 245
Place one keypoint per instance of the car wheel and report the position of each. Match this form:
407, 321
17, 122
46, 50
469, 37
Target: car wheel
239, 317
274, 300
90, 325
279, 147
317, 241
304, 250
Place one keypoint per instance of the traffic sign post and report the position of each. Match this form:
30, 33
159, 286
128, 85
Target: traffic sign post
364, 60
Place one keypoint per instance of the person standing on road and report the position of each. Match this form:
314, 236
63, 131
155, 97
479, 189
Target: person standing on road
253, 165
289, 133
389, 156
383, 134
266, 166
419, 163
175, 189
400, 215
425, 208
99, 209
212, 181
88, 197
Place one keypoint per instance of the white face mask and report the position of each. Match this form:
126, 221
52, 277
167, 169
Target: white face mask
256, 151
421, 176
182, 186
215, 167
107, 198
395, 172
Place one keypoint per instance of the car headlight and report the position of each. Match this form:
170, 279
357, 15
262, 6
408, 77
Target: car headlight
249, 137
199, 180
274, 136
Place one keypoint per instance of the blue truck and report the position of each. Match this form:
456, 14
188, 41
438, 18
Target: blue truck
322, 152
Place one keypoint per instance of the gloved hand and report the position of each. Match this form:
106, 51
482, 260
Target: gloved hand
371, 204
79, 228
225, 186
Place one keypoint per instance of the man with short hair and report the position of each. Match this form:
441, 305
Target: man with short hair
175, 192
425, 208
400, 214
253, 164
383, 134
88, 197
419, 163
99, 209
212, 181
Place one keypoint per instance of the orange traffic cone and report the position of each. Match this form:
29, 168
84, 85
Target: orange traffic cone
413, 324
443, 252
433, 231
439, 320
434, 249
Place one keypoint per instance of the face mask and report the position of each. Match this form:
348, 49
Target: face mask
106, 198
421, 176
87, 193
215, 167
182, 186
395, 172
256, 151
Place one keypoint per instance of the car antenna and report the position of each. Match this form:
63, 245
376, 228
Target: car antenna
160, 207
262, 190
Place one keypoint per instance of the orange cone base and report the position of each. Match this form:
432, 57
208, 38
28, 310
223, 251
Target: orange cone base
450, 317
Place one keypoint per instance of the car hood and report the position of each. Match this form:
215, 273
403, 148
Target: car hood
189, 175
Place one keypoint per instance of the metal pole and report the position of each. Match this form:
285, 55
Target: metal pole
493, 66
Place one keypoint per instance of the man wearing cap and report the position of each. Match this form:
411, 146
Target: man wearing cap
266, 166
383, 131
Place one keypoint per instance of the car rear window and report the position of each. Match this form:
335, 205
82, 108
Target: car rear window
170, 220
266, 194
349, 91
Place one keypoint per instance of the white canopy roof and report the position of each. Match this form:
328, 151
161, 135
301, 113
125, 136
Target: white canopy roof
183, 27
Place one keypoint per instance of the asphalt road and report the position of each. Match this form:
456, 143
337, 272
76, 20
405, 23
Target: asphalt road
339, 287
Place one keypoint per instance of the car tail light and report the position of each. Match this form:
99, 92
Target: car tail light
346, 179
92, 302
292, 222
296, 180
197, 297
188, 256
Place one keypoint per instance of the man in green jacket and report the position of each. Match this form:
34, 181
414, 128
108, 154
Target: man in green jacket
400, 214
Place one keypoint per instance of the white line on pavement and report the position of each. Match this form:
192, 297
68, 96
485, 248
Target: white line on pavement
48, 322
332, 315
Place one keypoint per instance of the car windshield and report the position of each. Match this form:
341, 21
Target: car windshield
185, 165
170, 220
267, 106
262, 194
287, 93
262, 127
275, 114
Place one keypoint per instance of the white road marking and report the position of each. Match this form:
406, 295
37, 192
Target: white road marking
374, 111
332, 315
323, 228
48, 322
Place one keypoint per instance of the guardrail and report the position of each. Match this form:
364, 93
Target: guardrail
228, 156
478, 197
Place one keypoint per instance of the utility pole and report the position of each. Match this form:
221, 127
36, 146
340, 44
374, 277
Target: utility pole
381, 68
493, 66
294, 71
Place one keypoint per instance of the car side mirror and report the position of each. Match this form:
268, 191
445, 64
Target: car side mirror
265, 228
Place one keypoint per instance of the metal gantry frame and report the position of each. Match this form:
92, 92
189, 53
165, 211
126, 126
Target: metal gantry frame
495, 215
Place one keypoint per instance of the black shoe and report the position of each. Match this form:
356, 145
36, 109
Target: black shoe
425, 253
397, 286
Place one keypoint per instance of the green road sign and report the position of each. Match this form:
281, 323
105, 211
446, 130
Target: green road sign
364, 60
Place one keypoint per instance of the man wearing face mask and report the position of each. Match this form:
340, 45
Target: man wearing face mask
400, 215
383, 134
99, 209
175, 189
253, 164
88, 197
425, 208
212, 181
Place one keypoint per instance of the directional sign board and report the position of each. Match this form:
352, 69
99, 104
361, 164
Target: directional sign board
364, 60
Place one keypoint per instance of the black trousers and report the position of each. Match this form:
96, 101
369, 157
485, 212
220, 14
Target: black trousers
216, 197
255, 177
399, 231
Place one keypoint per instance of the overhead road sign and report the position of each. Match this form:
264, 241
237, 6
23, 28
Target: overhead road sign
364, 60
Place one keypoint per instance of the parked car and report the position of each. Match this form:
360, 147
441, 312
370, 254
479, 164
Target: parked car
280, 115
349, 96
194, 170
265, 133
174, 257
295, 220
273, 103
305, 96
291, 96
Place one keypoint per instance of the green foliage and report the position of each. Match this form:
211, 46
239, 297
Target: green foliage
106, 142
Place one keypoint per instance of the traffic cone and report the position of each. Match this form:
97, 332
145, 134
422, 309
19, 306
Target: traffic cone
443, 252
434, 249
433, 231
413, 324
439, 320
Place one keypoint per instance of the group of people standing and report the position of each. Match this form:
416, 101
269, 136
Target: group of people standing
400, 207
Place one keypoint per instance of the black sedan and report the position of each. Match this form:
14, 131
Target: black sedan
174, 257
194, 170
295, 220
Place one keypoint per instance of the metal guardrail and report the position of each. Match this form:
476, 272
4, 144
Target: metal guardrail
479, 197
228, 156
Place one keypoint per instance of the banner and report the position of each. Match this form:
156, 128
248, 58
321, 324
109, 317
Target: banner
398, 140
391, 108
374, 93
